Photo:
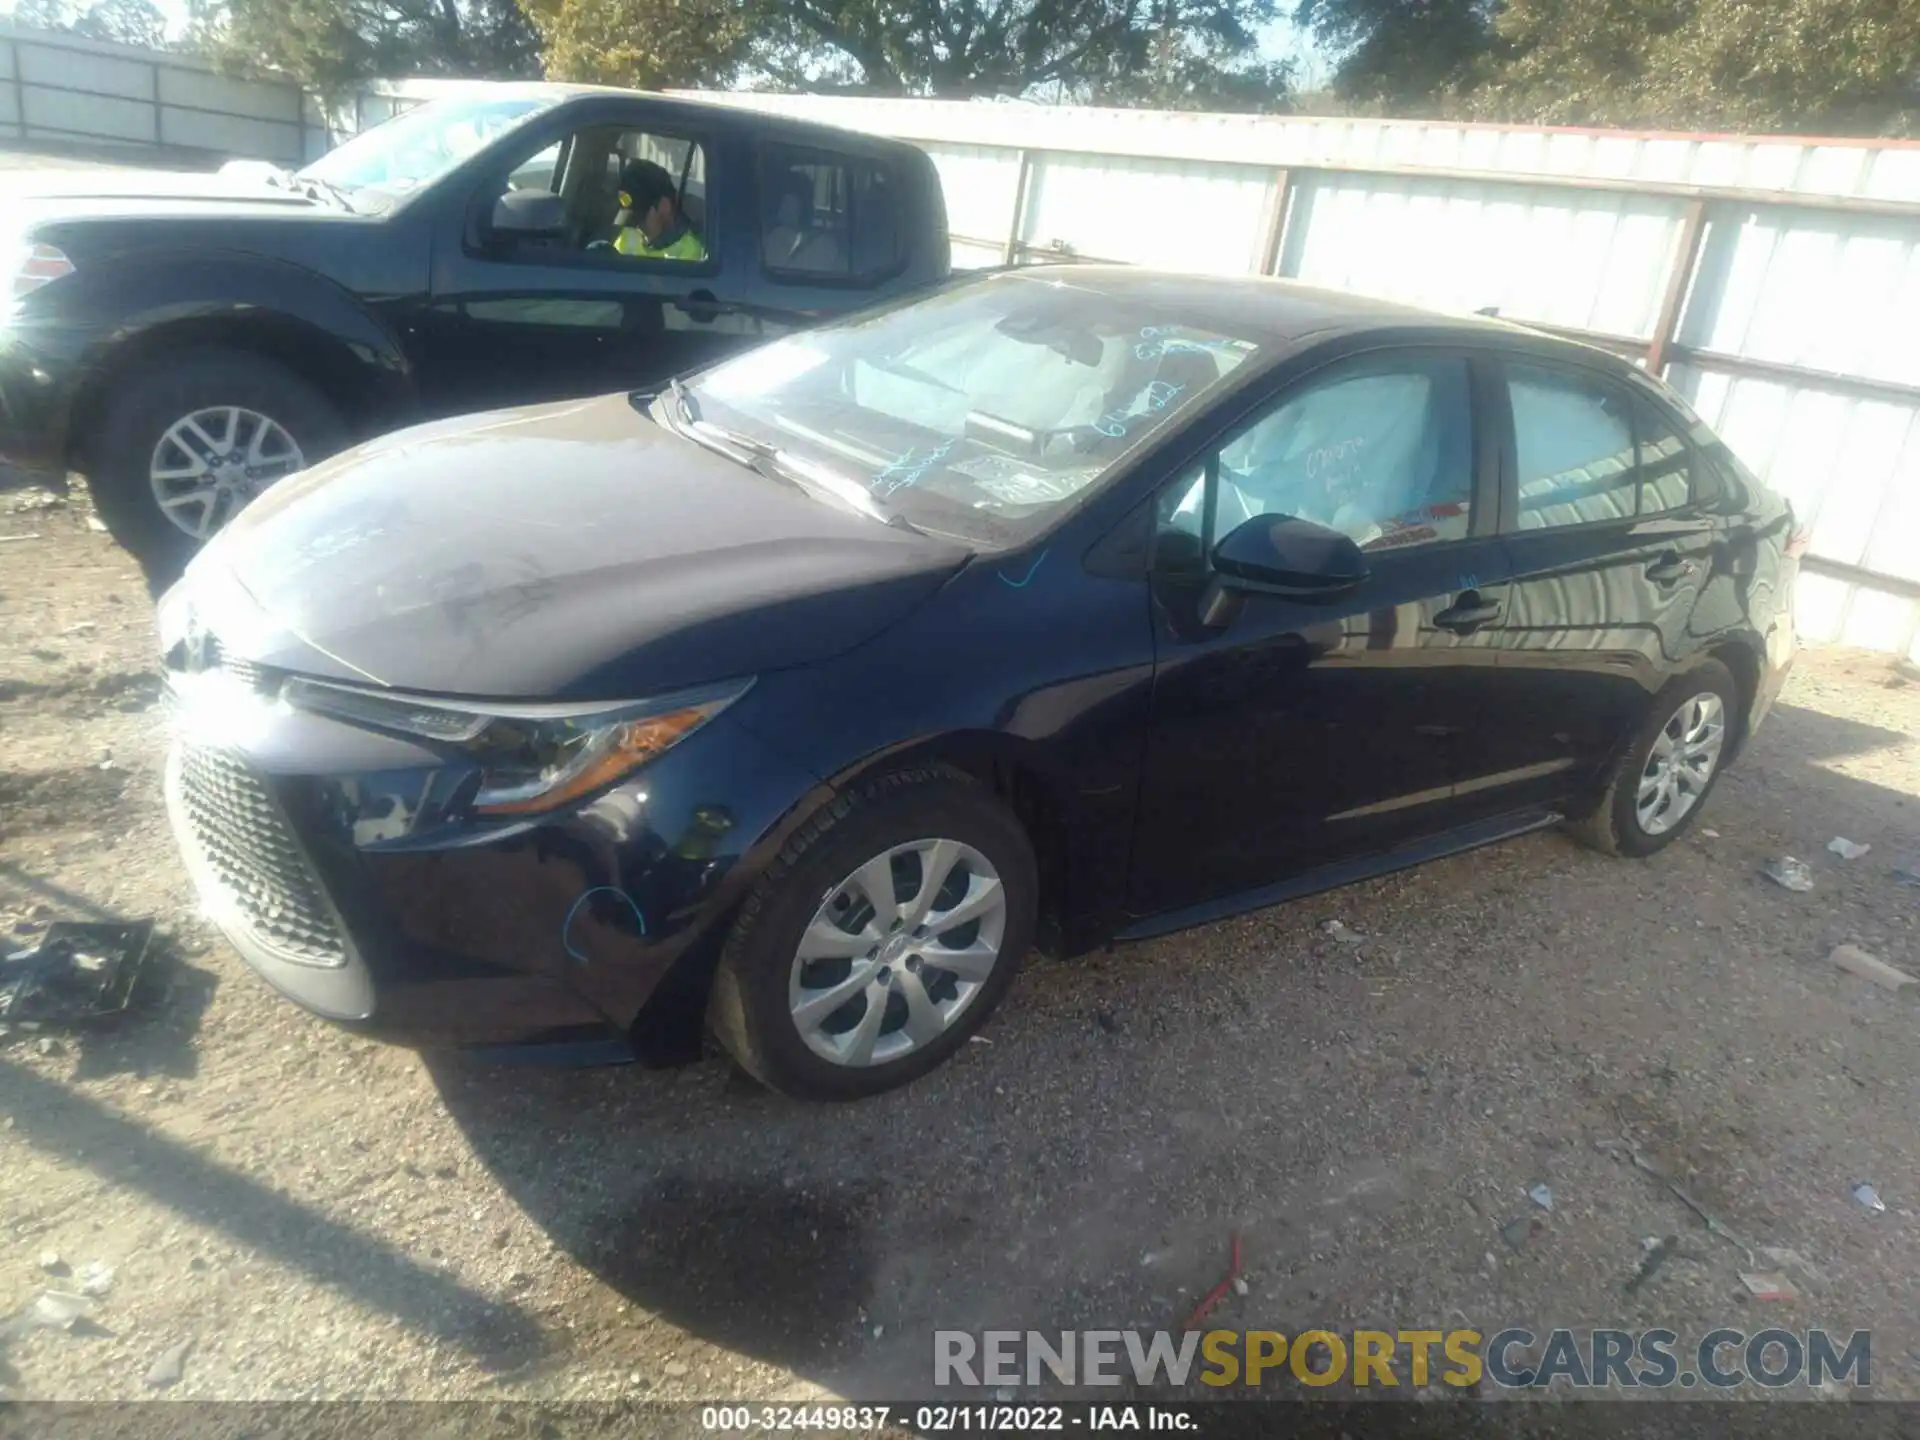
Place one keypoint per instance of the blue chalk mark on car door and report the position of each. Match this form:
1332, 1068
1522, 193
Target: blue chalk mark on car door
1032, 570
566, 926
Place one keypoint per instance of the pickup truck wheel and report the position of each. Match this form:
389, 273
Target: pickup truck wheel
187, 441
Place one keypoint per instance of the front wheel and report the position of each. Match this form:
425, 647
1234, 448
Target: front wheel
1661, 780
882, 937
185, 443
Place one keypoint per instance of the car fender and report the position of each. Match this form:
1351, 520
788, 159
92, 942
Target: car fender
129, 307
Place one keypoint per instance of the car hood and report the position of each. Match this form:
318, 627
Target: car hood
569, 551
38, 195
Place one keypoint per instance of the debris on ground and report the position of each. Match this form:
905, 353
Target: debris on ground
1518, 1232
1215, 1295
79, 972
52, 1310
1868, 1198
51, 1262
1788, 873
1855, 961
171, 1367
1338, 930
1769, 1287
95, 1278
1791, 1260
1710, 834
1655, 1251
1907, 872
1239, 1286
1640, 1162
1847, 849
1541, 1196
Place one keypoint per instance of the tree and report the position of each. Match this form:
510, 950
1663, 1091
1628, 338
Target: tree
1402, 54
130, 22
651, 44
331, 45
1829, 66
1190, 53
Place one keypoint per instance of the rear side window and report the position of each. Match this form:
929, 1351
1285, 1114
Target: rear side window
1666, 469
1573, 442
826, 216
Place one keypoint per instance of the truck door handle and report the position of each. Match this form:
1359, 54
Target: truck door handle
1468, 613
1669, 570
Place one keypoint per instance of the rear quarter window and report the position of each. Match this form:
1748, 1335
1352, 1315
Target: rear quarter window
830, 217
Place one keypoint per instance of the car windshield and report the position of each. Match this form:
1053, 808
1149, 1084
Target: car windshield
382, 166
984, 412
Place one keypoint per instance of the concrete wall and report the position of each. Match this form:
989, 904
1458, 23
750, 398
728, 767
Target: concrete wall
63, 90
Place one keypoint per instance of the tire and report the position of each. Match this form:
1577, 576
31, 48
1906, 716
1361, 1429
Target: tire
1617, 824
815, 884
121, 459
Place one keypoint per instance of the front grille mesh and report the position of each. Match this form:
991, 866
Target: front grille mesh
252, 856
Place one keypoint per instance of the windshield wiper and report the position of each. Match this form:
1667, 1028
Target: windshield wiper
316, 189
770, 460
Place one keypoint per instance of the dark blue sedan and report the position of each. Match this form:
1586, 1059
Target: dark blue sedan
800, 701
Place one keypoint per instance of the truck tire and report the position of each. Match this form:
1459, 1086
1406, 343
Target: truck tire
187, 439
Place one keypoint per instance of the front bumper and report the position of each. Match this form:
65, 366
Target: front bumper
36, 398
337, 864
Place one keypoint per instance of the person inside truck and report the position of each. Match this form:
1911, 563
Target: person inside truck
650, 223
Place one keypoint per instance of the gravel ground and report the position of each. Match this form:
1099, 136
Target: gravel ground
322, 1217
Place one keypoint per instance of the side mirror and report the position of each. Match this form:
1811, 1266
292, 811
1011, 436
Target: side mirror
529, 215
1284, 555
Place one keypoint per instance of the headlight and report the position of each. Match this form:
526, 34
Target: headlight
29, 266
534, 758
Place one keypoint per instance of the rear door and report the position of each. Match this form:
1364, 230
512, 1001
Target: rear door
516, 322
1610, 547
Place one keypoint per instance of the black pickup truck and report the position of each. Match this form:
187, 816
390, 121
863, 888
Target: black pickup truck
186, 340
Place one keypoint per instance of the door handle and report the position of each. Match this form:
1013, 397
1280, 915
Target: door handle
1669, 570
1467, 614
703, 306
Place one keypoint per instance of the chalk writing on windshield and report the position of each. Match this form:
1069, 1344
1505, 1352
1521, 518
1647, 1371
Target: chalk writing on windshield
905, 470
1157, 396
1158, 340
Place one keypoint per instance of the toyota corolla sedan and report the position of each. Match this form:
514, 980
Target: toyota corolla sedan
799, 701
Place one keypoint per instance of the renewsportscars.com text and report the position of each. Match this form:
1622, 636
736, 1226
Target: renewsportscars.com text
1512, 1359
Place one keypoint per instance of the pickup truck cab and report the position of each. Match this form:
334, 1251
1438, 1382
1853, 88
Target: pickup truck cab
185, 341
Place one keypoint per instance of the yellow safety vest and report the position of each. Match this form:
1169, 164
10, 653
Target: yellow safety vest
685, 246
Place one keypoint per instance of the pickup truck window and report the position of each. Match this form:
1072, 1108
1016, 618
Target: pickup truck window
584, 169
826, 216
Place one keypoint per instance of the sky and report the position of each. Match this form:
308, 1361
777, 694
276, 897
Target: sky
1280, 40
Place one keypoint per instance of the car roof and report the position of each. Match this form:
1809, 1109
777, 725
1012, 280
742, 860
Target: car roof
1287, 315
558, 92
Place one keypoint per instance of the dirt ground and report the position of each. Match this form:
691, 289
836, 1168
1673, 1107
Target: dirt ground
321, 1217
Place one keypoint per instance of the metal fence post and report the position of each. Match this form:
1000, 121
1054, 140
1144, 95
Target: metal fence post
1692, 228
1018, 224
1273, 228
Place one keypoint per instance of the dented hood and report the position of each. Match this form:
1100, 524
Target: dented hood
570, 551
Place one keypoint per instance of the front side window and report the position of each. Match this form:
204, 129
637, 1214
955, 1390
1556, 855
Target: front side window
1573, 443
984, 411
380, 167
1380, 451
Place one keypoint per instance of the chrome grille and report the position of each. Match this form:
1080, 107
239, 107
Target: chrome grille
245, 671
250, 854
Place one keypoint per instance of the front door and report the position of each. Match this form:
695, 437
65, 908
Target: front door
1286, 734
514, 322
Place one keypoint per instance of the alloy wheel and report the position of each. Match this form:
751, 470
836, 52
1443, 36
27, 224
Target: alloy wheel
1681, 763
209, 464
897, 952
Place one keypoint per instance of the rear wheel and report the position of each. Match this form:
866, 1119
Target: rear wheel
880, 940
187, 441
1661, 780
